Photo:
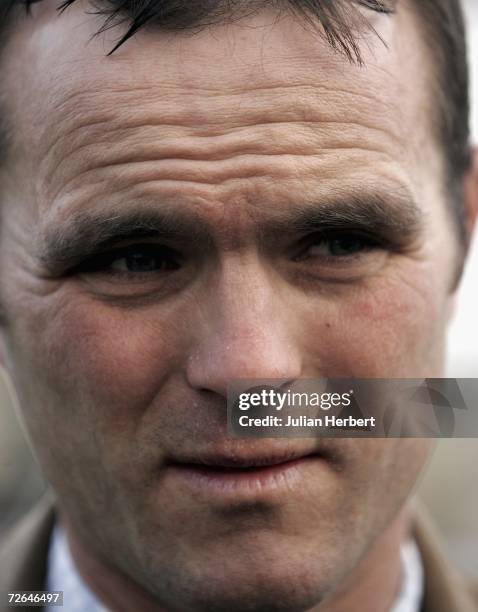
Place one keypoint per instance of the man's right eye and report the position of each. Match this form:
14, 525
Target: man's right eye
133, 260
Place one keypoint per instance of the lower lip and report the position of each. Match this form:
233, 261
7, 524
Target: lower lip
246, 482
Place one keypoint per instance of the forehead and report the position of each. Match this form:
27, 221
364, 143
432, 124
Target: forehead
211, 107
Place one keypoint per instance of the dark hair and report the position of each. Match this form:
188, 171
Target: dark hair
442, 26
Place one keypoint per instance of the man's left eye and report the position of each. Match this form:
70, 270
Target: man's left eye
339, 245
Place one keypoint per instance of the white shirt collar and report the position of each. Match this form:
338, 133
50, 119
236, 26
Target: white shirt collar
411, 593
63, 576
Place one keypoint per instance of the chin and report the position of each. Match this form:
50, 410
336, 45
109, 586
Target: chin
255, 602
248, 579
230, 594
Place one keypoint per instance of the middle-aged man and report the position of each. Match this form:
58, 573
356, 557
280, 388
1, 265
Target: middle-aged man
239, 190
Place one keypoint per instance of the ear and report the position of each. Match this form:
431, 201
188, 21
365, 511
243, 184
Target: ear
470, 216
470, 195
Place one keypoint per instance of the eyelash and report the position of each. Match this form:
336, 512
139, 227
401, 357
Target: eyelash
365, 242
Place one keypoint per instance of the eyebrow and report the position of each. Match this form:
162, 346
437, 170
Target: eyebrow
394, 218
87, 234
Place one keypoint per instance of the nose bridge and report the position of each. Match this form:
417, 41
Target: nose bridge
246, 331
245, 295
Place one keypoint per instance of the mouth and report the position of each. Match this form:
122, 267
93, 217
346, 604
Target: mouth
242, 476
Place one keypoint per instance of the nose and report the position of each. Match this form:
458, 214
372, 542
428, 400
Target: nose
247, 331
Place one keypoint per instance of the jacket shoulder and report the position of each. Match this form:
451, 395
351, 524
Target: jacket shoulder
446, 590
473, 589
24, 549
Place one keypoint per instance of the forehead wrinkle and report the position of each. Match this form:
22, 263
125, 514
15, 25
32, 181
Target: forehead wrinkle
70, 117
234, 169
203, 114
74, 102
264, 140
80, 135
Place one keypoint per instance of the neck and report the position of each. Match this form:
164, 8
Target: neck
372, 586
375, 582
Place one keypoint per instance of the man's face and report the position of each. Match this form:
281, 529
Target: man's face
163, 232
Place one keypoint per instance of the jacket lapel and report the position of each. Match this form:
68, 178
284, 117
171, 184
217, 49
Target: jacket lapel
444, 590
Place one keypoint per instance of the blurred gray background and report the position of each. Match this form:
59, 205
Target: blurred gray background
448, 487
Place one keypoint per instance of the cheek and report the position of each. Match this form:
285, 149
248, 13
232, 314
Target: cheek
94, 355
387, 329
